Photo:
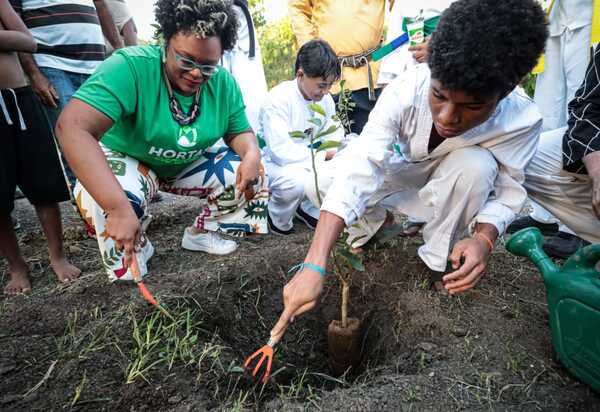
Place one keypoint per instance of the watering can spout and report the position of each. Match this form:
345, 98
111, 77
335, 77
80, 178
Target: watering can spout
528, 243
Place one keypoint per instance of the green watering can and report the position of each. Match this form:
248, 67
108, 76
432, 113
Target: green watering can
573, 294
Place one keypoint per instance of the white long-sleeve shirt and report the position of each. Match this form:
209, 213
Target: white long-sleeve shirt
396, 139
571, 15
285, 110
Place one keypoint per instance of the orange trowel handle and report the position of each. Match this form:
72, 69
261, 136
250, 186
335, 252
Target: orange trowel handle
135, 272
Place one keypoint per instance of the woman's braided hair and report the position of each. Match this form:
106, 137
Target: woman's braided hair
203, 18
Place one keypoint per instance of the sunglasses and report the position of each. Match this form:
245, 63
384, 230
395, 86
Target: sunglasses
188, 65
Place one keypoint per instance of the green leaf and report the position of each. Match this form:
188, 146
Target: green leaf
326, 132
316, 121
317, 108
353, 260
297, 135
329, 144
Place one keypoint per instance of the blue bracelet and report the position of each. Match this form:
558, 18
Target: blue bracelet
297, 268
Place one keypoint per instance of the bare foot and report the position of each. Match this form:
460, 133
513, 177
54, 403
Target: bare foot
19, 281
65, 272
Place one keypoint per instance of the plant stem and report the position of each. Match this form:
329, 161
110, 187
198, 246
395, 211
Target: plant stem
314, 167
345, 298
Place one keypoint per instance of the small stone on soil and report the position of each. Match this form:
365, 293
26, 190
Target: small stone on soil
175, 399
30, 398
459, 331
427, 347
75, 249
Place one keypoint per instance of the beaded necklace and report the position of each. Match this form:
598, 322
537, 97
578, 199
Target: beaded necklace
177, 112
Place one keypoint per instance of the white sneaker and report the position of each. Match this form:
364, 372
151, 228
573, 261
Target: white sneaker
208, 242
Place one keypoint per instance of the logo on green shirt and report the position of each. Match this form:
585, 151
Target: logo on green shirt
188, 137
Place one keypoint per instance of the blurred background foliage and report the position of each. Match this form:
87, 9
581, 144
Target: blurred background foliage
277, 45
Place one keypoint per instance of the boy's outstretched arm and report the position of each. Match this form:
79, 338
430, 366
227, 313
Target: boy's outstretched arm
14, 37
301, 293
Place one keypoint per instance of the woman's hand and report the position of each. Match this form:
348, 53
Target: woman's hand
476, 254
249, 170
248, 173
123, 226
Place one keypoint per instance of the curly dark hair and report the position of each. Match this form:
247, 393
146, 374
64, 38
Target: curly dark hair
204, 18
485, 47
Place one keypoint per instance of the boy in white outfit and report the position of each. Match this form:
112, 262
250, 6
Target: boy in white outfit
286, 109
447, 142
405, 57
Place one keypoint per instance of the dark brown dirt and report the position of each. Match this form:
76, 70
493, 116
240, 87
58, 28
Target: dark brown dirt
75, 347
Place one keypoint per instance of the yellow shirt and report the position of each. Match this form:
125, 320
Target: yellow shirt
349, 26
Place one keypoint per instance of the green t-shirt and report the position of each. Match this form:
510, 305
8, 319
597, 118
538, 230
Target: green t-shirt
129, 87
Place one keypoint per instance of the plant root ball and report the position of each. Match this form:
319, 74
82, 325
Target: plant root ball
344, 346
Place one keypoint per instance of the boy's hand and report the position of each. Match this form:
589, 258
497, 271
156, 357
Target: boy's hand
44, 90
419, 51
476, 254
299, 295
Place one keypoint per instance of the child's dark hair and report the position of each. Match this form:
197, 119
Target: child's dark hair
204, 18
485, 47
316, 58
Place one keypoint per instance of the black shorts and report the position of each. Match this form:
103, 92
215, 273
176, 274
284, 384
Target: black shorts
29, 156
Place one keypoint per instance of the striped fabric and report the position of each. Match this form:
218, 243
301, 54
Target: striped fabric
68, 33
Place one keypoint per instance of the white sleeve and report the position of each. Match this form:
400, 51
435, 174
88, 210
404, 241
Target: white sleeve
512, 156
275, 122
360, 167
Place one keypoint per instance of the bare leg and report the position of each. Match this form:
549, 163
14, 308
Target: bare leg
49, 216
17, 268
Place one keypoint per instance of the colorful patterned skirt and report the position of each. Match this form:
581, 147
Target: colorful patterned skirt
211, 178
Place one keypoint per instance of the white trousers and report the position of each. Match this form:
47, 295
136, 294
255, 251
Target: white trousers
286, 186
568, 196
566, 60
447, 193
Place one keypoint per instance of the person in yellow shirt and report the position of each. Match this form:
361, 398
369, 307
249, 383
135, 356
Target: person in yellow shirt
354, 29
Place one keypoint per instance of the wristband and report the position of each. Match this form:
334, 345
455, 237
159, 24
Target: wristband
307, 265
486, 239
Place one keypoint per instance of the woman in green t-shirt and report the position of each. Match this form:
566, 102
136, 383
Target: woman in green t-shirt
153, 117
